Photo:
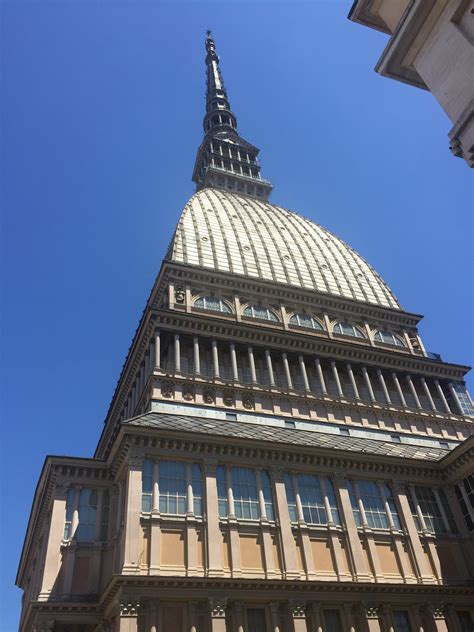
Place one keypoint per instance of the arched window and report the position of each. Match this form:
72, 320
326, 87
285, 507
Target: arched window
213, 304
303, 320
388, 338
348, 329
257, 311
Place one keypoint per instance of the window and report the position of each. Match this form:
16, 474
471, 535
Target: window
463, 397
70, 499
303, 320
87, 515
465, 622
347, 329
465, 499
212, 304
172, 483
256, 620
311, 490
429, 508
147, 484
257, 311
332, 619
221, 491
388, 338
401, 622
104, 519
267, 494
244, 487
373, 498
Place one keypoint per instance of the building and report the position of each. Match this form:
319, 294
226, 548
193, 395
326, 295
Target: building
281, 453
431, 46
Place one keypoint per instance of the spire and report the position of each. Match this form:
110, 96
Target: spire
225, 160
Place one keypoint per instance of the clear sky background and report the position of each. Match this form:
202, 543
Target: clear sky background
102, 115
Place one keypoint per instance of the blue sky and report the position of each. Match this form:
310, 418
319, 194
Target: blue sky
102, 115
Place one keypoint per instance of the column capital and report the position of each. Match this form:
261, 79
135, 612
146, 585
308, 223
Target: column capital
217, 606
135, 458
297, 608
129, 606
370, 610
209, 466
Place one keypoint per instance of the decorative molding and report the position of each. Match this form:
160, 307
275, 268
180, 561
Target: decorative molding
129, 607
297, 608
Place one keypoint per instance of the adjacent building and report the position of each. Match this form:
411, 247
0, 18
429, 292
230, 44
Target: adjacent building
431, 46
281, 454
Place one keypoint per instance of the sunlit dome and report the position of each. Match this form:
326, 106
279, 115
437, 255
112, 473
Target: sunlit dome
241, 235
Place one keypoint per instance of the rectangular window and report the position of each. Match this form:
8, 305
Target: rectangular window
221, 491
267, 494
430, 510
464, 508
401, 621
312, 499
447, 511
70, 499
256, 620
197, 489
463, 398
373, 504
290, 498
87, 515
147, 484
354, 503
332, 619
392, 506
172, 483
104, 519
330, 493
244, 487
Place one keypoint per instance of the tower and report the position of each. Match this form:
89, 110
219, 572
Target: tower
281, 453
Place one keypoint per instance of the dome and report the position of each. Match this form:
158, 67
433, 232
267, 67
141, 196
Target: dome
226, 232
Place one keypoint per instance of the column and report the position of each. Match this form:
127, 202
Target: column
239, 616
413, 391
420, 562
399, 389
53, 545
233, 361
455, 396
288, 541
304, 374
131, 534
197, 356
352, 380
428, 393
128, 614
349, 617
368, 383
360, 570
98, 520
419, 513
442, 397
253, 372
155, 527
152, 617
215, 358
192, 618
316, 617
299, 505
271, 375
75, 512
217, 608
320, 373
384, 386
177, 353
274, 617
157, 349
335, 373
261, 498
213, 532
189, 491
286, 366
439, 618
298, 616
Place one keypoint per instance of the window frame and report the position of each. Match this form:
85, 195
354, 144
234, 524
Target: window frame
359, 335
271, 315
395, 339
222, 304
316, 325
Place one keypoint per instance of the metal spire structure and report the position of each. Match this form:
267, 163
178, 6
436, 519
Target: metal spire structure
224, 159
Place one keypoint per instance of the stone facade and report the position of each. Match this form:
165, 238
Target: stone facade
278, 456
431, 46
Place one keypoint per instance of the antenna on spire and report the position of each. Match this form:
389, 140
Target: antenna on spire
208, 32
